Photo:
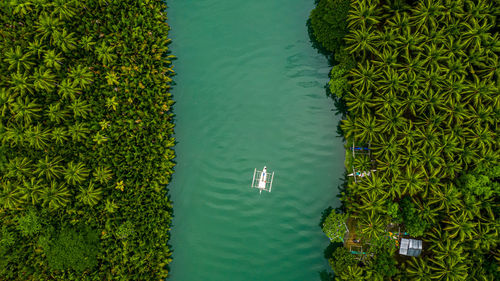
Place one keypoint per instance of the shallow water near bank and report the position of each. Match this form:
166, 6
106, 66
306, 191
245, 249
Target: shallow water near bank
250, 93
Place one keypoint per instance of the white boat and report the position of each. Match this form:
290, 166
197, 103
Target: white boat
263, 180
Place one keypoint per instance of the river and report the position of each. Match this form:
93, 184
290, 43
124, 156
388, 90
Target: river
249, 92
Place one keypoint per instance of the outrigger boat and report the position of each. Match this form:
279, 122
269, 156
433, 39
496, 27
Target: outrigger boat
361, 174
263, 180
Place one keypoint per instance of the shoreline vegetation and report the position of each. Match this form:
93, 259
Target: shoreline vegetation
417, 84
86, 139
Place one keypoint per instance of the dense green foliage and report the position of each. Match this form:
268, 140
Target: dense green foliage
85, 140
423, 93
328, 22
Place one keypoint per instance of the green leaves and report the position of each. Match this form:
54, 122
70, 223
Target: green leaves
89, 195
75, 173
335, 226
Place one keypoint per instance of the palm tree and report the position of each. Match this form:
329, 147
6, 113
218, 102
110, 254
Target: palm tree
447, 198
432, 160
53, 59
36, 48
21, 83
63, 9
387, 147
434, 55
81, 76
64, 40
426, 15
14, 136
412, 181
359, 102
75, 173
367, 129
111, 206
449, 269
78, 131
32, 190
59, 135
80, 108
418, 270
443, 248
363, 13
10, 196
49, 168
361, 41
410, 42
46, 26
17, 60
86, 43
372, 225
6, 98
37, 137
399, 22
411, 156
486, 238
105, 53
43, 79
68, 89
56, 114
354, 272
21, 9
18, 167
432, 102
25, 110
55, 196
460, 226
90, 195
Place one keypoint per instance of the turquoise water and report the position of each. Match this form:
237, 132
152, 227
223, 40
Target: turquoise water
250, 93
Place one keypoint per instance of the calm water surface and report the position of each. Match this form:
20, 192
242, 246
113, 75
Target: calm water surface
250, 93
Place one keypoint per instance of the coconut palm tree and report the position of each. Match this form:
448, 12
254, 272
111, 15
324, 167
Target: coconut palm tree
56, 114
366, 130
80, 108
460, 226
59, 135
55, 196
68, 89
412, 181
81, 76
53, 59
75, 173
372, 225
10, 195
49, 167
25, 110
32, 190
78, 131
364, 77
449, 269
446, 198
363, 13
20, 83
418, 269
105, 53
426, 15
37, 137
17, 60
46, 26
89, 195
43, 79
361, 41
18, 168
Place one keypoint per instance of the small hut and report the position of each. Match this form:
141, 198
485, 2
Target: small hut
410, 247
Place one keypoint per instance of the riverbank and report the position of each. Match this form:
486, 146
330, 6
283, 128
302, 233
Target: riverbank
86, 140
421, 91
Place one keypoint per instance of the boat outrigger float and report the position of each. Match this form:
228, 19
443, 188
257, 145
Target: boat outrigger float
263, 180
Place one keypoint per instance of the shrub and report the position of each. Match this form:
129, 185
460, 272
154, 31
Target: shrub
74, 249
329, 22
